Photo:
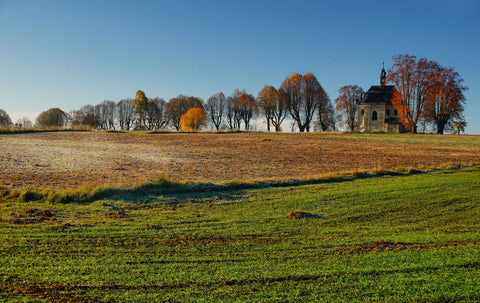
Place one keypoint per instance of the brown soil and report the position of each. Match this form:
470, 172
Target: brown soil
34, 215
89, 159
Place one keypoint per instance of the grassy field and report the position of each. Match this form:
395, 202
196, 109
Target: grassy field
408, 238
363, 234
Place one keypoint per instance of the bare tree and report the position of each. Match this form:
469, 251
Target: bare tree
234, 116
109, 111
156, 118
24, 122
216, 107
346, 104
326, 115
125, 114
101, 117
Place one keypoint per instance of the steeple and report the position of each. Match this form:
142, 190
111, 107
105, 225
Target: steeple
383, 76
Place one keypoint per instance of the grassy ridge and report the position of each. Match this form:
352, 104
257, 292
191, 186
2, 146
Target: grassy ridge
406, 238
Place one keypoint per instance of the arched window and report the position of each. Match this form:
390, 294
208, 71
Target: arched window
395, 113
374, 115
362, 112
388, 112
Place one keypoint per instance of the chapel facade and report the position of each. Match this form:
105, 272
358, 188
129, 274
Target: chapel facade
376, 112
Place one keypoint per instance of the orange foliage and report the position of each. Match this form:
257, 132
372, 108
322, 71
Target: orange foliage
193, 119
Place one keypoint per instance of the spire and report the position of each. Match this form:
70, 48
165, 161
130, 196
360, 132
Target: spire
383, 76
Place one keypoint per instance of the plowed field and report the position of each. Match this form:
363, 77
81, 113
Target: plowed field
83, 159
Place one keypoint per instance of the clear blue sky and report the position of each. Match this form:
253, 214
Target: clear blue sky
61, 53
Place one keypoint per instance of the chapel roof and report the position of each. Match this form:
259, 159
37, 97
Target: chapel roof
378, 94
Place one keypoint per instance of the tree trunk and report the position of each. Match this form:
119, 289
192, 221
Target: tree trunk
440, 127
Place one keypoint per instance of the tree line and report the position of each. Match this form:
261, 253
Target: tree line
300, 97
427, 94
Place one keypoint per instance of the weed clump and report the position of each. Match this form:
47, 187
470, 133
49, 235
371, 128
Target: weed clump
302, 214
30, 195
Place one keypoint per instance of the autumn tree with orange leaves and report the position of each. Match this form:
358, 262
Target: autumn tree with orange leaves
425, 90
272, 105
193, 119
445, 99
346, 104
178, 106
304, 97
411, 78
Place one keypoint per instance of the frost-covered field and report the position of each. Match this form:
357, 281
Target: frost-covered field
84, 159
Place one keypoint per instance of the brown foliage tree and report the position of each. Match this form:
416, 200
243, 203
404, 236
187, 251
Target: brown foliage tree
54, 117
193, 119
247, 107
444, 98
304, 97
178, 106
411, 79
271, 104
346, 104
84, 117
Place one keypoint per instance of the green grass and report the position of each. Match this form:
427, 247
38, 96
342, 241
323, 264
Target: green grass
407, 238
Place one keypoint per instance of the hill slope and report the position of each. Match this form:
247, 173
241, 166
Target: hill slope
387, 239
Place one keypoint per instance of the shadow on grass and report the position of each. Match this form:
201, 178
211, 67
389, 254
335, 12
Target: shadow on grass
164, 186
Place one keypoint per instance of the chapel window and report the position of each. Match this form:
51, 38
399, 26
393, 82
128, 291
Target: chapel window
374, 115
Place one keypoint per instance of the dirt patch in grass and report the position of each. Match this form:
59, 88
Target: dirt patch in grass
34, 215
92, 159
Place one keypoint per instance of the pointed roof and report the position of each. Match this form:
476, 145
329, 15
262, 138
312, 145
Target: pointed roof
383, 75
378, 94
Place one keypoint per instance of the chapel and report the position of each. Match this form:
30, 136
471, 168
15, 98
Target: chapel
376, 112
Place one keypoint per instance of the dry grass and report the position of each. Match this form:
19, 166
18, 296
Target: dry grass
92, 159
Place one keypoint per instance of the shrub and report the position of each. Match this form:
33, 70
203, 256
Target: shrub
193, 119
